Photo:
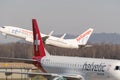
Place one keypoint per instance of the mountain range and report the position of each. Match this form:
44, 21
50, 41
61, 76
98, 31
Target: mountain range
112, 38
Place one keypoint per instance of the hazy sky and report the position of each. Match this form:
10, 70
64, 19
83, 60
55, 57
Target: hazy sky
62, 16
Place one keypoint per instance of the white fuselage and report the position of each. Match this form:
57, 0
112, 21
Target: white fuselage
18, 32
64, 43
88, 68
28, 36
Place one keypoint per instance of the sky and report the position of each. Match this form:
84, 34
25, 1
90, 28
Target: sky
62, 16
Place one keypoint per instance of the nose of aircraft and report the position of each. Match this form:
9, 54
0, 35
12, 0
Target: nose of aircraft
1, 28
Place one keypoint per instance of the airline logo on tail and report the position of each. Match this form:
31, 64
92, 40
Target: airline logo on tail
38, 42
83, 38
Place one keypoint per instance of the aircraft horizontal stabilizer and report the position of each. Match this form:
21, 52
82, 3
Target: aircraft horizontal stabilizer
81, 46
88, 45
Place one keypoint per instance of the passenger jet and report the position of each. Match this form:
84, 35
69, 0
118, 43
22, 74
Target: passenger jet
80, 41
65, 67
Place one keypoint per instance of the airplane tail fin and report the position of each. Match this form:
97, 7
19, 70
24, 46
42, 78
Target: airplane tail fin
83, 38
39, 49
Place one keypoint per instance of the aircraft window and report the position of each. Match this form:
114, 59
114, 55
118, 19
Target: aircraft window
117, 68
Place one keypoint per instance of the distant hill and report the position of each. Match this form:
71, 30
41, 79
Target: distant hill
112, 38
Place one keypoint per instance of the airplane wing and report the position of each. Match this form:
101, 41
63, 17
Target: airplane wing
29, 61
47, 75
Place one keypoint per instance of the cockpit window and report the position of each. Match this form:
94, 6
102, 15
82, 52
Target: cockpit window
3, 27
117, 68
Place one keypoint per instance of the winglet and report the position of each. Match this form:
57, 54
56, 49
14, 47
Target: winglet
50, 33
62, 37
38, 42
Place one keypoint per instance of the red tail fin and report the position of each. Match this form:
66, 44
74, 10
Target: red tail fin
38, 42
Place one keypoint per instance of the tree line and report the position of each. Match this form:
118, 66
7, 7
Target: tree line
25, 50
